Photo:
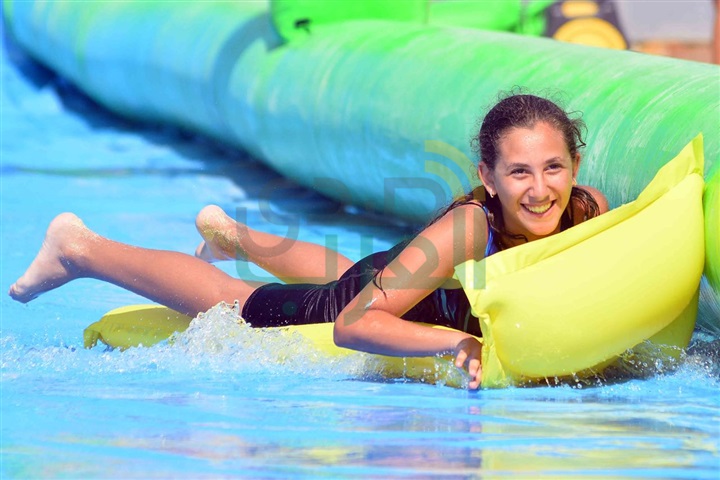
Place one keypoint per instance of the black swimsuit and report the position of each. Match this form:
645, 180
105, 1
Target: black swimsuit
277, 304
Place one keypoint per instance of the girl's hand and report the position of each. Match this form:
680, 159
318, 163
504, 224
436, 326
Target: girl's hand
468, 354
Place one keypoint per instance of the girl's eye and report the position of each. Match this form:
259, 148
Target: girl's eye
518, 171
555, 166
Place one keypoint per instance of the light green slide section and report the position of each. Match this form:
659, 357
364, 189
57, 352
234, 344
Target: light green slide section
378, 113
711, 206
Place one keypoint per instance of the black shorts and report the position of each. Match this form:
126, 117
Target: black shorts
277, 304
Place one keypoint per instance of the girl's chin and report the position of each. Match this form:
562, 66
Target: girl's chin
542, 229
534, 232
537, 233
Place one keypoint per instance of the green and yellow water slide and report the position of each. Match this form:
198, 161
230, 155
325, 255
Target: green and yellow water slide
374, 103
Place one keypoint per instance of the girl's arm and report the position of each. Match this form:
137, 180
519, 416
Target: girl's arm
372, 323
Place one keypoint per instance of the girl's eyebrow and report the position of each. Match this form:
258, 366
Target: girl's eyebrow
525, 165
516, 165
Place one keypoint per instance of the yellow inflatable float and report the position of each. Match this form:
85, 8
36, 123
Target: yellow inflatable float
567, 305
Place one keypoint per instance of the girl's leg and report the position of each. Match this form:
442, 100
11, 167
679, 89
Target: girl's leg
182, 282
292, 261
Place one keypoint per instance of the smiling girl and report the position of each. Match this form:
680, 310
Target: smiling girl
529, 160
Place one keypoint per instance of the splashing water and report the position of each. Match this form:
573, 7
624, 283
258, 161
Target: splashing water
220, 340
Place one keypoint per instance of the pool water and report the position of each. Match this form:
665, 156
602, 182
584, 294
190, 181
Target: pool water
209, 405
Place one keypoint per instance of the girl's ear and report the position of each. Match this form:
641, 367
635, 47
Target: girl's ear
576, 165
487, 179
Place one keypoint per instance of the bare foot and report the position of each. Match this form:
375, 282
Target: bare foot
51, 267
221, 234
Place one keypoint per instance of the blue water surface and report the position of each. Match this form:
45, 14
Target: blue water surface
209, 407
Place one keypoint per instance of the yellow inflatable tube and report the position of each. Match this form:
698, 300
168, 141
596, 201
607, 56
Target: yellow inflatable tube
146, 325
566, 305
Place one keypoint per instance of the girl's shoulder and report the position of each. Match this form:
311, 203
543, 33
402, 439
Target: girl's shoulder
465, 224
472, 208
587, 202
598, 196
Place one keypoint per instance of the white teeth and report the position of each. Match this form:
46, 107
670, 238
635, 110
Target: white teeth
539, 208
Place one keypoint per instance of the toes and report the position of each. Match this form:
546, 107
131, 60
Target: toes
17, 294
200, 249
203, 252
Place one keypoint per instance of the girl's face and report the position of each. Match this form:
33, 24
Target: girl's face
533, 178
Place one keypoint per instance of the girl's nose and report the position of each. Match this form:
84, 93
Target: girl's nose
539, 187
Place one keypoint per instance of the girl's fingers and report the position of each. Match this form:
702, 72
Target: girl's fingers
460, 359
475, 371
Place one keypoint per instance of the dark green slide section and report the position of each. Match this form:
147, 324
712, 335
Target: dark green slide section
296, 19
517, 16
375, 112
